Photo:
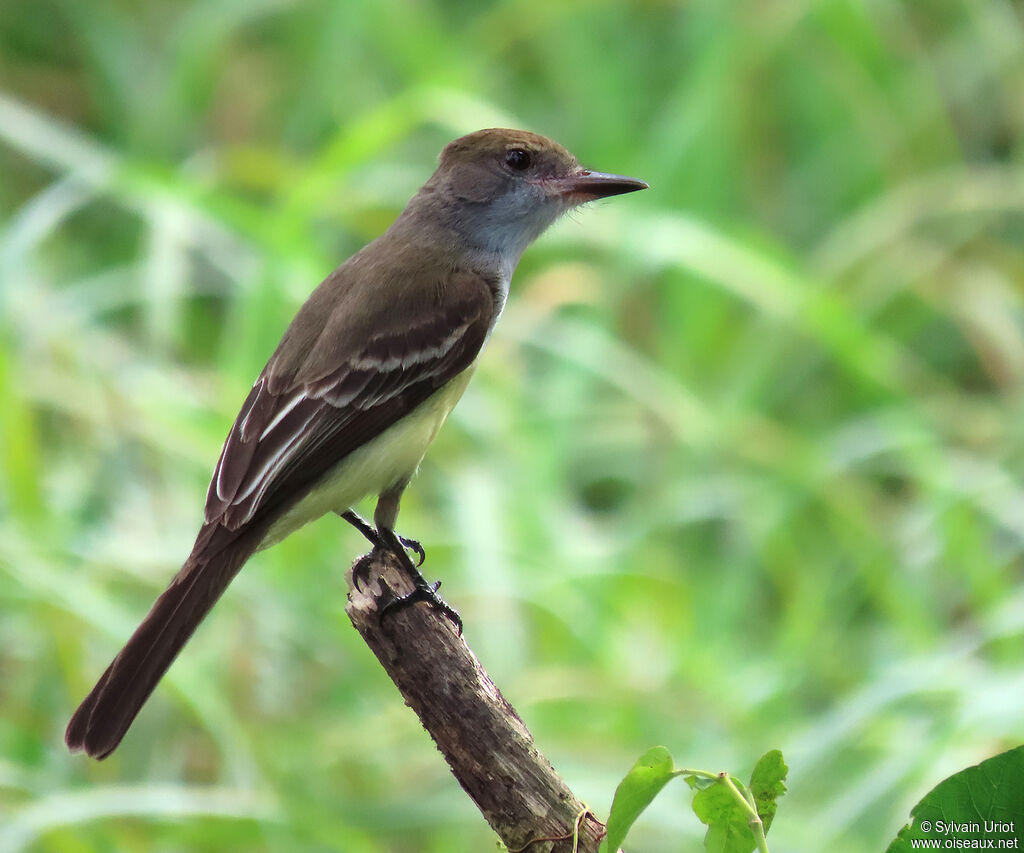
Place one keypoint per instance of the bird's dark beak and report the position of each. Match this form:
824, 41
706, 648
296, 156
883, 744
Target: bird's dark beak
598, 184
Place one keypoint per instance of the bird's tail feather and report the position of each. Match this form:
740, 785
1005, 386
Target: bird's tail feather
107, 712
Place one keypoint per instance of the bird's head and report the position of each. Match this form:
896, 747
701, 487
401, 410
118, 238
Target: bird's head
501, 188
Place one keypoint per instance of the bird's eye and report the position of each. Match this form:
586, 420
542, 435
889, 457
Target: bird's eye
518, 159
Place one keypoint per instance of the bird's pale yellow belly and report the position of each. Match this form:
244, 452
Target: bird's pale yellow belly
381, 463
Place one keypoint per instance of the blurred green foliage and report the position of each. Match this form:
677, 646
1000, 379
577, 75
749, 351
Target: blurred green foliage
741, 467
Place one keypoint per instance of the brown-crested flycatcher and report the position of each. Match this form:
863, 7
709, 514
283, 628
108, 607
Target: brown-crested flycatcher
361, 382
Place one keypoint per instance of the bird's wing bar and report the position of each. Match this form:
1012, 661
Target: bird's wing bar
281, 443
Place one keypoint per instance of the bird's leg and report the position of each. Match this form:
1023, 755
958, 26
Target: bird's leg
370, 532
362, 525
384, 518
361, 570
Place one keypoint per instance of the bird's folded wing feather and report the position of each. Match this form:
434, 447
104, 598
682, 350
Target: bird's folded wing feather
298, 422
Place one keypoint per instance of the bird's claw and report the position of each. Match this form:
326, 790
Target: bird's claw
414, 546
422, 592
361, 571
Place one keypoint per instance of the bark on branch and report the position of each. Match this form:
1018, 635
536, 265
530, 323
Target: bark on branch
486, 744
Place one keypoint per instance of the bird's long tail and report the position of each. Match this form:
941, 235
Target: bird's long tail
107, 712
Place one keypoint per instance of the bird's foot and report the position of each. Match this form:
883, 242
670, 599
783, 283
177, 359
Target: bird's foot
391, 542
375, 539
422, 591
425, 592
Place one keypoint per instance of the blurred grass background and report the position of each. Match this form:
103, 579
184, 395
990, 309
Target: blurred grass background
741, 467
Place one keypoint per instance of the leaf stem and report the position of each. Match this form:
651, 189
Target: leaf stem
703, 774
747, 802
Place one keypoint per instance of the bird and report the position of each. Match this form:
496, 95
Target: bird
358, 387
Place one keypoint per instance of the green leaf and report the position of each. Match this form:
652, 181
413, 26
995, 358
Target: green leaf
649, 775
983, 802
728, 837
728, 824
767, 784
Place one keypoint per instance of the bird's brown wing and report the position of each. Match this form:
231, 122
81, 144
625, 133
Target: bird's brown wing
321, 396
289, 434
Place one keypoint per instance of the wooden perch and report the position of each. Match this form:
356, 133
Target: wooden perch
483, 739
